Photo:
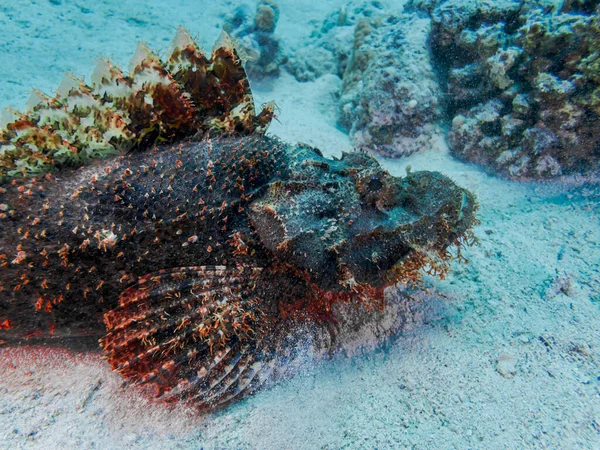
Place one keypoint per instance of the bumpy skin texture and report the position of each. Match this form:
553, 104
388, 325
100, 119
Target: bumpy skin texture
77, 239
121, 218
211, 259
318, 230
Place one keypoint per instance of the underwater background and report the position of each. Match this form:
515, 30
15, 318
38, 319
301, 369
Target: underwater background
503, 97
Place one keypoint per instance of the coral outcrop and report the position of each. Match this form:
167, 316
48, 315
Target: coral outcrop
389, 102
390, 95
522, 85
255, 36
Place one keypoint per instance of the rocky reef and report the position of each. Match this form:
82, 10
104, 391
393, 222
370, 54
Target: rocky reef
389, 99
522, 85
255, 36
389, 102
516, 83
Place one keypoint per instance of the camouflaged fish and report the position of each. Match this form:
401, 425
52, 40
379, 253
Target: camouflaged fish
199, 248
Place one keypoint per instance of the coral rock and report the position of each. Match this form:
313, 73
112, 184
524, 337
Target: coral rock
389, 102
539, 71
263, 51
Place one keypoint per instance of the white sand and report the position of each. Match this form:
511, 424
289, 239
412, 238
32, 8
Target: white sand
507, 358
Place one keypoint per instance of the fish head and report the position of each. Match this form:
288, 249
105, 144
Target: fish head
348, 222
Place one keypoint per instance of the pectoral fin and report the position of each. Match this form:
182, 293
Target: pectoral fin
194, 332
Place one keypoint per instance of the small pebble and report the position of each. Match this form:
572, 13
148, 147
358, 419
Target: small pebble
582, 349
525, 338
506, 365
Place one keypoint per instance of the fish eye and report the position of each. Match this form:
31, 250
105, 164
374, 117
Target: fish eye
375, 184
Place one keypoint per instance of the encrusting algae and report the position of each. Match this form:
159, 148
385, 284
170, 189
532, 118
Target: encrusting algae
202, 252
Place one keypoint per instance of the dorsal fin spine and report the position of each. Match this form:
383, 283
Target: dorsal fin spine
159, 101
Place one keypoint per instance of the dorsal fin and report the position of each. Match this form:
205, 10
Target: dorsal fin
67, 84
186, 95
223, 42
104, 72
142, 56
36, 99
181, 41
7, 116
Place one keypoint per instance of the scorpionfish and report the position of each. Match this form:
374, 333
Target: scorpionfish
152, 210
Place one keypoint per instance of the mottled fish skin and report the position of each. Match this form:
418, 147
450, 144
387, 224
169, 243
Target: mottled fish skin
72, 243
283, 232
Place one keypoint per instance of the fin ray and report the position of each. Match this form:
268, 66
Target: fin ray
186, 329
158, 101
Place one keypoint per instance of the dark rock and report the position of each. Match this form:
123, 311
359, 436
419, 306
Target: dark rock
535, 71
255, 37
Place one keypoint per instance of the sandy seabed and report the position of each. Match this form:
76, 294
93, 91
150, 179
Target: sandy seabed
504, 356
